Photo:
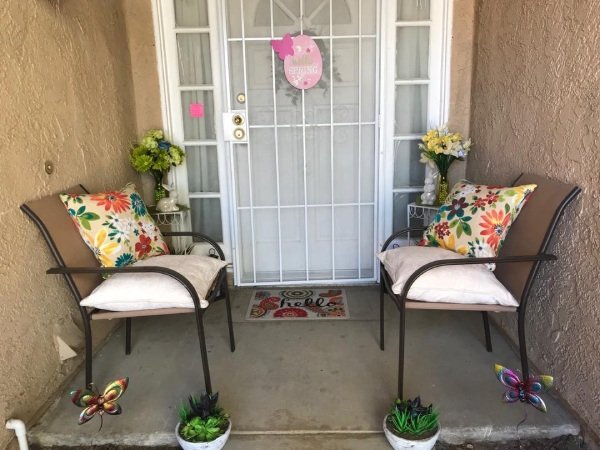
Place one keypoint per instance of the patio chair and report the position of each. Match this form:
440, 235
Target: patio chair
516, 266
83, 274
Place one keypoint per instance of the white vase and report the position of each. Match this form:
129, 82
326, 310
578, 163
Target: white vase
429, 195
399, 443
217, 444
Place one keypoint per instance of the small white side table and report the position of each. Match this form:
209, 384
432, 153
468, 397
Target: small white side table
426, 213
175, 220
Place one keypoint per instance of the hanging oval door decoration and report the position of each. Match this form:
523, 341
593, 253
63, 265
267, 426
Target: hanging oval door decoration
302, 61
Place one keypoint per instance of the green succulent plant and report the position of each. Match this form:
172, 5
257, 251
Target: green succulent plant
409, 418
198, 430
202, 420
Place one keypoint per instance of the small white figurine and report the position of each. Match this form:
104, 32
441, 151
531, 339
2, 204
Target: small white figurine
429, 194
168, 204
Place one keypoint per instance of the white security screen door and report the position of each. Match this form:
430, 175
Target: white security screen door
304, 183
326, 173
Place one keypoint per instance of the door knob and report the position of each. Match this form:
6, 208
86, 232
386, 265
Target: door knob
239, 133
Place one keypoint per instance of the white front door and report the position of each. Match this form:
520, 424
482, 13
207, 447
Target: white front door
304, 182
325, 173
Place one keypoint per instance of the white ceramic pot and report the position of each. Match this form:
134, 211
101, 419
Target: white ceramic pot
399, 443
217, 444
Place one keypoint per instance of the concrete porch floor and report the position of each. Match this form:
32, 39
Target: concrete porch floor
306, 384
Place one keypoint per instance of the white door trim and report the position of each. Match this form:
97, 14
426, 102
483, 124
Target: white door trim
440, 28
168, 70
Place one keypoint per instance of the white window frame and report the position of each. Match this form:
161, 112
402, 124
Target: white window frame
165, 33
440, 33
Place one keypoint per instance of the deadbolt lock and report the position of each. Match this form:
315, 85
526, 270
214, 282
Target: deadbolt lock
237, 119
239, 133
234, 126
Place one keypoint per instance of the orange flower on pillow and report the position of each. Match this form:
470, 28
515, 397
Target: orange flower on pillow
475, 214
493, 225
111, 224
117, 201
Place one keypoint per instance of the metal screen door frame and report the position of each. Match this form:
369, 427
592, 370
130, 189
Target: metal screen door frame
439, 24
235, 208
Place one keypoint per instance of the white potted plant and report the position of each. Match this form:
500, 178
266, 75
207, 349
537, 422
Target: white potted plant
203, 424
411, 425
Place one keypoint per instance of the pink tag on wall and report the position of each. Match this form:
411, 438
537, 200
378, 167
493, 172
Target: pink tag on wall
302, 64
196, 110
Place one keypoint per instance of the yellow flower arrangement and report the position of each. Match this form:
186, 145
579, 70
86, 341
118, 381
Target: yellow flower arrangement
441, 148
440, 141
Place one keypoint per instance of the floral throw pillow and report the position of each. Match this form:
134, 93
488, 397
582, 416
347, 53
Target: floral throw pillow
116, 226
475, 219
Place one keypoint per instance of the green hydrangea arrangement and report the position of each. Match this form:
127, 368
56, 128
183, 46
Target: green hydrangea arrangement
156, 155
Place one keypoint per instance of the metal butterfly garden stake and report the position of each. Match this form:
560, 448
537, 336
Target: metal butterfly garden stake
94, 403
523, 390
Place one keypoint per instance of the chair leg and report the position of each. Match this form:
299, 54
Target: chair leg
128, 336
486, 328
381, 315
523, 344
401, 342
87, 329
229, 316
203, 352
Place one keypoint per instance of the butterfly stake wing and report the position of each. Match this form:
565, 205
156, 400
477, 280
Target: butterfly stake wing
284, 46
96, 404
523, 390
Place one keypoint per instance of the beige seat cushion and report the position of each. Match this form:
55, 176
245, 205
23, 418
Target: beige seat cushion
465, 284
140, 291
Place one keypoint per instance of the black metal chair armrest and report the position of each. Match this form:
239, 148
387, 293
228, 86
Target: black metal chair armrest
128, 269
200, 236
463, 261
397, 234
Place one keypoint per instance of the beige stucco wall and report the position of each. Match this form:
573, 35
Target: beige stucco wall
66, 90
140, 37
461, 70
536, 98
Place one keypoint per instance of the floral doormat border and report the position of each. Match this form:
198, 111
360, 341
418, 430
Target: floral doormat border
293, 304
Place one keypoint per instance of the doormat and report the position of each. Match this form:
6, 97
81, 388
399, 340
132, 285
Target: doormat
292, 304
